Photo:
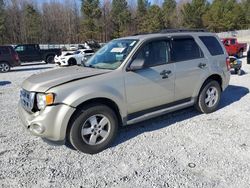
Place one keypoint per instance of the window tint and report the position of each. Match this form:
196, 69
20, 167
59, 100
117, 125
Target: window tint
185, 49
31, 48
20, 49
212, 45
89, 51
233, 41
4, 50
154, 53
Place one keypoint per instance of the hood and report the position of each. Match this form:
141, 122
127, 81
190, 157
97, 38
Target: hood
46, 80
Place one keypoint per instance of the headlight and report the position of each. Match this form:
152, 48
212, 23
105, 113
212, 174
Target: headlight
44, 99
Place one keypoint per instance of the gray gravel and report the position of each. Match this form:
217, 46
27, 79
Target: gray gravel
181, 149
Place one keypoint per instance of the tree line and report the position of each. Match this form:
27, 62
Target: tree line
74, 21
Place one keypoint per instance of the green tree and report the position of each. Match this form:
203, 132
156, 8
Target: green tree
120, 17
169, 13
91, 12
153, 21
193, 12
140, 13
32, 21
2, 21
224, 15
245, 7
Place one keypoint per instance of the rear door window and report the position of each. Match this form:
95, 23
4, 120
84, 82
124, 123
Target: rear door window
212, 45
184, 49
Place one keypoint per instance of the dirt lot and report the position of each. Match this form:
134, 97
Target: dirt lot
181, 149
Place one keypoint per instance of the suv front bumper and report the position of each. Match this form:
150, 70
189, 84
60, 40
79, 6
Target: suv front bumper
51, 123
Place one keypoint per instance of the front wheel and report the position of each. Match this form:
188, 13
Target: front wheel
209, 97
93, 129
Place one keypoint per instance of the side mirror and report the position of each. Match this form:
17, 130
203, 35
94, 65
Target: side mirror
137, 64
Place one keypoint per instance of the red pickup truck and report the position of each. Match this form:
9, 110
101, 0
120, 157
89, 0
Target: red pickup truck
233, 47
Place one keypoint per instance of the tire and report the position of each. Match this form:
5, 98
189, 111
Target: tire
50, 59
87, 134
203, 104
4, 67
236, 71
72, 62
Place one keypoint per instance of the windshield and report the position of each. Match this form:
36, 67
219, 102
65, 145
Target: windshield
112, 55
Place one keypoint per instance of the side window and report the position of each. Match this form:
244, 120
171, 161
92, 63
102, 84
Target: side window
212, 45
154, 53
233, 41
20, 49
5, 50
184, 49
31, 48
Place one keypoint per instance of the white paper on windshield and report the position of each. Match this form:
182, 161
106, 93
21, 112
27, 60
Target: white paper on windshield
133, 43
117, 50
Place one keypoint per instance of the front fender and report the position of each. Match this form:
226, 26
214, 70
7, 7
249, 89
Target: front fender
83, 94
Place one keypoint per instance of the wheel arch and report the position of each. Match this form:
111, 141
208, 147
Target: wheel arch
215, 77
49, 54
100, 100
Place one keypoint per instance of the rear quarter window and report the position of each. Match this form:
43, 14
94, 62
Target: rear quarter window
4, 50
212, 45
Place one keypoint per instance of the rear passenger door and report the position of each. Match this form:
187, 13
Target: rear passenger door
191, 66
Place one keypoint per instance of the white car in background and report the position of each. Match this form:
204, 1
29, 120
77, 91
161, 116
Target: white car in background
70, 58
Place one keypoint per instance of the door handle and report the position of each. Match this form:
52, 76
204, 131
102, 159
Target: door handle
165, 73
202, 65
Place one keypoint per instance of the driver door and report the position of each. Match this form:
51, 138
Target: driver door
152, 87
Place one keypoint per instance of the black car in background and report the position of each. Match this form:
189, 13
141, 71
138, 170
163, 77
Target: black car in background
8, 58
32, 52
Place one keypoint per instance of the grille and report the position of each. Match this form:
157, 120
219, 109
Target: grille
27, 100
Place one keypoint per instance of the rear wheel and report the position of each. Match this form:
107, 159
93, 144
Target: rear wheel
72, 62
4, 67
93, 129
50, 59
209, 97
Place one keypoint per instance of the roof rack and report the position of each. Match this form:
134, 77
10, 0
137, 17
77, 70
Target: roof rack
172, 31
144, 33
182, 30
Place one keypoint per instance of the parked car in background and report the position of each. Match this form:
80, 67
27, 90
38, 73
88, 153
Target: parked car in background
32, 52
248, 56
233, 47
235, 64
69, 58
8, 58
129, 80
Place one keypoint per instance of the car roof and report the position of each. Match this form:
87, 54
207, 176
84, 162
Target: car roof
4, 46
168, 34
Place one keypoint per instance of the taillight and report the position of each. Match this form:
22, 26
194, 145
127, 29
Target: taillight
228, 63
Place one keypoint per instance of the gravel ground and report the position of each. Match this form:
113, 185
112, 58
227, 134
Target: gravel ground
181, 149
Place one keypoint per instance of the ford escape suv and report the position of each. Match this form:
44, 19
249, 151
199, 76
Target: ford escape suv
128, 80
